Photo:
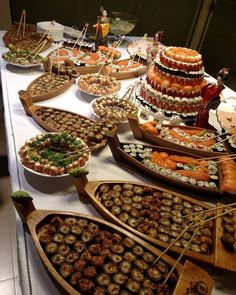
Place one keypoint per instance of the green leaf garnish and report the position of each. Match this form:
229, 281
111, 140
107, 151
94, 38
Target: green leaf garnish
21, 197
78, 172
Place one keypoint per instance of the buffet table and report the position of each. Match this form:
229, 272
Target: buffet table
59, 193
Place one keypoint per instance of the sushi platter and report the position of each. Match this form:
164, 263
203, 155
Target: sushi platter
176, 167
33, 41
225, 230
198, 141
49, 85
125, 69
61, 54
65, 68
22, 58
87, 62
114, 108
29, 41
11, 37
58, 120
98, 85
158, 215
87, 254
54, 154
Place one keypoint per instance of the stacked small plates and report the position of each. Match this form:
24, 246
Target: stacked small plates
55, 30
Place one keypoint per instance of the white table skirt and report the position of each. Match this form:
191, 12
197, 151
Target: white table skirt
60, 194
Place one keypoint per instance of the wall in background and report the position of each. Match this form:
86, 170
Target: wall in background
219, 45
166, 15
5, 15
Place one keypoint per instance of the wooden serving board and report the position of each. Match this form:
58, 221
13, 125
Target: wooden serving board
223, 258
35, 219
90, 190
31, 109
48, 95
120, 155
140, 133
126, 74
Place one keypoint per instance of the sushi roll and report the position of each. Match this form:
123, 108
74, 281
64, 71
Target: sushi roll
70, 239
133, 286
137, 275
125, 267
51, 247
155, 274
66, 269
57, 259
129, 256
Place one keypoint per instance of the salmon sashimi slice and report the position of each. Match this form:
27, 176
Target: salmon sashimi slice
63, 52
184, 160
76, 52
193, 131
161, 159
195, 174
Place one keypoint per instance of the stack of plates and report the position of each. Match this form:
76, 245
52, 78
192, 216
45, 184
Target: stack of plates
55, 30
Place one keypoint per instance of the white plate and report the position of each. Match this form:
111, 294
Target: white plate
52, 176
23, 66
98, 117
93, 94
72, 32
40, 174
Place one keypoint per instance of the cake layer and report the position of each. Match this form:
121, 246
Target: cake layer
169, 86
181, 58
178, 72
169, 105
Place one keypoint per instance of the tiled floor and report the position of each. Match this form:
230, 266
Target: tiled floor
8, 271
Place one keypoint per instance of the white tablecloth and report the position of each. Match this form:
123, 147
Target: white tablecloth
60, 194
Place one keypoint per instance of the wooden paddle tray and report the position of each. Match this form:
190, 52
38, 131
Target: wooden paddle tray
218, 256
31, 110
120, 155
140, 133
51, 94
36, 219
122, 75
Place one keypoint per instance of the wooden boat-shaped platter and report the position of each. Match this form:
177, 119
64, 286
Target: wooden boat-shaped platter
188, 171
161, 139
10, 37
31, 42
57, 120
117, 211
27, 42
86, 61
121, 69
100, 247
49, 85
84, 68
